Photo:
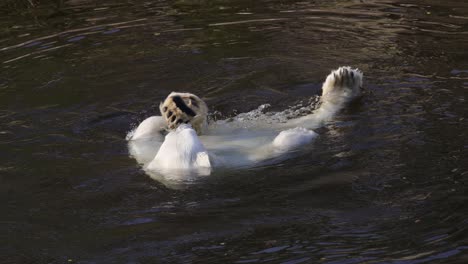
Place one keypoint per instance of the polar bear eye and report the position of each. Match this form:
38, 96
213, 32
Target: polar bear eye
169, 114
173, 118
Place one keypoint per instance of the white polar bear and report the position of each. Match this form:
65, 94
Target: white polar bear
191, 146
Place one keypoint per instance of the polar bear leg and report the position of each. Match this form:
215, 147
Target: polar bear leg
341, 86
151, 127
294, 138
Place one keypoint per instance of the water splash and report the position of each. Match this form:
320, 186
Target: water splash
258, 137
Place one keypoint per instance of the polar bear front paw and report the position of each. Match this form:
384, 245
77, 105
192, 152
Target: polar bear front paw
184, 108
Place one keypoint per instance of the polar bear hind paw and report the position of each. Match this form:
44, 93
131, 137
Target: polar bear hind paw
343, 79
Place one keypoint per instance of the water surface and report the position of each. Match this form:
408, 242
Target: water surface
386, 182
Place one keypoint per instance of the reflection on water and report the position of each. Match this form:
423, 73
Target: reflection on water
386, 182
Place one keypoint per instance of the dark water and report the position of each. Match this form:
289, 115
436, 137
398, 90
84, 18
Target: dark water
386, 182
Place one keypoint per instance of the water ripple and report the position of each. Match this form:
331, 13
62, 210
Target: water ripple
386, 182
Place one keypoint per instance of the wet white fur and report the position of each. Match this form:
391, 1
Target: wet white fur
150, 127
181, 149
293, 138
225, 144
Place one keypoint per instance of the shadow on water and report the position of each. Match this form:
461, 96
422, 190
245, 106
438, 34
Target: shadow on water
386, 182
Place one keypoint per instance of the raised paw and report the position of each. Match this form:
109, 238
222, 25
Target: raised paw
343, 80
184, 108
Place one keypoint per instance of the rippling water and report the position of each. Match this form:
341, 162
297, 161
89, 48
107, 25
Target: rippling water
386, 182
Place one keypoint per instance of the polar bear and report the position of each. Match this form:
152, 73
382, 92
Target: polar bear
190, 145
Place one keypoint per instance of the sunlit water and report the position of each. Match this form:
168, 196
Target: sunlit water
386, 182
